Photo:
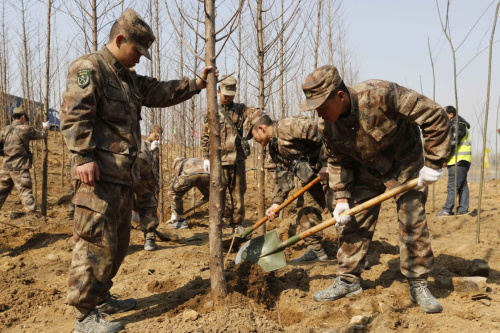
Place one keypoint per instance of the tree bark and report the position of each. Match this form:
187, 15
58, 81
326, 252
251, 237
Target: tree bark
217, 279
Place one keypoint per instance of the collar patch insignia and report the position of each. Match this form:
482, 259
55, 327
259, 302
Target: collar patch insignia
83, 78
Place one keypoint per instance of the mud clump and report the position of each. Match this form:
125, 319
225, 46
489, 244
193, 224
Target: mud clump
249, 279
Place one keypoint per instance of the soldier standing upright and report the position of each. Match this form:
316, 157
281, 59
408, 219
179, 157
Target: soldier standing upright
100, 122
371, 132
295, 146
233, 154
17, 158
186, 174
146, 191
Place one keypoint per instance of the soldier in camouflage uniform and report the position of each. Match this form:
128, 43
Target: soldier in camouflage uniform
14, 140
371, 132
295, 146
146, 191
100, 117
231, 117
187, 173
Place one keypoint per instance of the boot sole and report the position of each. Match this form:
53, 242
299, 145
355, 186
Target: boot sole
426, 311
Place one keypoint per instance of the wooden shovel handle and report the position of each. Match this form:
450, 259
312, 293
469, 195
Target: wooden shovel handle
361, 207
283, 205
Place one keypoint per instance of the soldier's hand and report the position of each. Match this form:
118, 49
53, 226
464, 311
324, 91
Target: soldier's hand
428, 176
46, 125
206, 165
202, 82
154, 144
88, 173
270, 212
323, 173
341, 206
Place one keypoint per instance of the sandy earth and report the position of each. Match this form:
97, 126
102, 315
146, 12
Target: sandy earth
172, 286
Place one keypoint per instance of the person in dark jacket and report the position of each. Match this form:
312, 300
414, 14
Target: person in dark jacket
460, 142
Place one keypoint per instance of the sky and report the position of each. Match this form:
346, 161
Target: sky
390, 40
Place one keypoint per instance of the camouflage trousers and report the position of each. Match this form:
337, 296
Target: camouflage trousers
416, 257
22, 180
101, 235
182, 184
309, 215
234, 184
147, 205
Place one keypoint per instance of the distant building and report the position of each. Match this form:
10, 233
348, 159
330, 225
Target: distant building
15, 101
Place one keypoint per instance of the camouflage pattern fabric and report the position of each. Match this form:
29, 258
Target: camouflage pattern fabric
382, 133
100, 117
416, 256
101, 234
231, 151
22, 181
15, 139
188, 173
145, 191
96, 119
378, 146
234, 184
297, 138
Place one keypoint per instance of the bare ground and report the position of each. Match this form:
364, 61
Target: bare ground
172, 285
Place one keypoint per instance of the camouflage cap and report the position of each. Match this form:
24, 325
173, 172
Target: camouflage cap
251, 120
20, 110
227, 85
140, 31
156, 129
318, 85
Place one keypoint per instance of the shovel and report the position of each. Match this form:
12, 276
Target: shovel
238, 239
268, 251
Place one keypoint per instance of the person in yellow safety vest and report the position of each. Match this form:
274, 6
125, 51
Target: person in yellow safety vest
460, 141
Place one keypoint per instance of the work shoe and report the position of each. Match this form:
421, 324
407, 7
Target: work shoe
444, 213
95, 323
149, 245
113, 305
338, 290
463, 213
179, 224
311, 255
419, 293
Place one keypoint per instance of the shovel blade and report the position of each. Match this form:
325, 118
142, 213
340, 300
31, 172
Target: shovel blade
251, 251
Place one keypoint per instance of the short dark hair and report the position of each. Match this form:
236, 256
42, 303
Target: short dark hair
116, 29
264, 120
451, 109
341, 87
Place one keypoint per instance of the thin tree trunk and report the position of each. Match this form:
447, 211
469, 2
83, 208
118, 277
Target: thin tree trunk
481, 183
217, 279
94, 25
46, 114
261, 200
160, 152
318, 30
433, 98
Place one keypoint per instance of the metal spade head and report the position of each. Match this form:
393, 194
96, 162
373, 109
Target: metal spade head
252, 250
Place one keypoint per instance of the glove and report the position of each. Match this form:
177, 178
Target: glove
46, 125
206, 165
427, 176
323, 173
341, 220
154, 144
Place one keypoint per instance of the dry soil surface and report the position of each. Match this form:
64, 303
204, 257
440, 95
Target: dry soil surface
172, 284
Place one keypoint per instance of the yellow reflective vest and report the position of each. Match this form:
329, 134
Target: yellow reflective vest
464, 150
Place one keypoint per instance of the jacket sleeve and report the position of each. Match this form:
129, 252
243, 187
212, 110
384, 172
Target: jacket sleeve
453, 135
79, 110
165, 93
431, 119
36, 135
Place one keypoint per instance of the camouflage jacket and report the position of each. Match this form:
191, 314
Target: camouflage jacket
101, 110
381, 132
183, 167
295, 138
148, 166
231, 151
15, 139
